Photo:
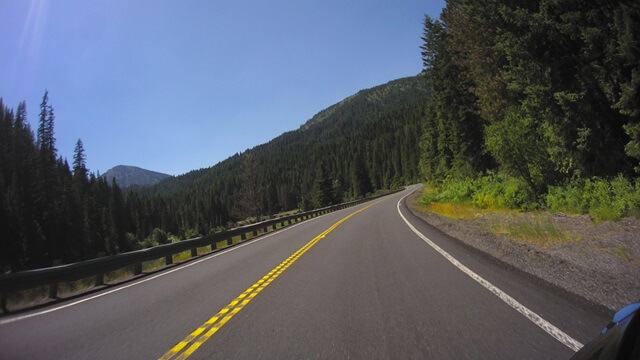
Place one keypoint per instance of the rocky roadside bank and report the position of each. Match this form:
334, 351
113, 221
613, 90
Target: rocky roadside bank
600, 262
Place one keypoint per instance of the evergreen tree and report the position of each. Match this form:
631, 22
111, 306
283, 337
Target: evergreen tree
322, 192
453, 133
360, 181
42, 122
79, 161
250, 196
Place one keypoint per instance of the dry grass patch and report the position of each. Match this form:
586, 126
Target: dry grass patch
623, 253
540, 231
118, 275
153, 264
73, 287
24, 298
453, 210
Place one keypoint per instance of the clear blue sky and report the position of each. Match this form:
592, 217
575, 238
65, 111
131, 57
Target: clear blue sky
174, 86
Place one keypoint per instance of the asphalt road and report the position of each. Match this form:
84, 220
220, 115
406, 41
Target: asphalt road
370, 288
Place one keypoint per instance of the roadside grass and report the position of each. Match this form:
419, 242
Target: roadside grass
221, 244
118, 275
463, 208
182, 256
70, 288
452, 210
153, 264
539, 231
203, 250
460, 203
19, 299
623, 253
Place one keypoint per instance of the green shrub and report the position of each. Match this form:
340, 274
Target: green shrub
459, 191
191, 233
492, 191
132, 241
158, 236
602, 199
496, 191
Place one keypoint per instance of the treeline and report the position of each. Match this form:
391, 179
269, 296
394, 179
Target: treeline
544, 92
51, 210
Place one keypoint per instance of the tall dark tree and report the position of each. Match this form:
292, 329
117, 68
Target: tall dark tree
453, 130
322, 191
79, 161
360, 180
250, 196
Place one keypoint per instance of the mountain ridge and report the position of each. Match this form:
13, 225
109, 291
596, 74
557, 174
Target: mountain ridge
128, 175
344, 119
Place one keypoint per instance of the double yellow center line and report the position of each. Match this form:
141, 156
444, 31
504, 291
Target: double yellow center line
191, 343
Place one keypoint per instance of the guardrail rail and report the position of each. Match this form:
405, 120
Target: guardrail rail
97, 268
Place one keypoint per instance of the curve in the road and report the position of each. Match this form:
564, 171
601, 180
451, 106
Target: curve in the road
552, 330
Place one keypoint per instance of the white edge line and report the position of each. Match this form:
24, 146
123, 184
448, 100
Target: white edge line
163, 273
535, 318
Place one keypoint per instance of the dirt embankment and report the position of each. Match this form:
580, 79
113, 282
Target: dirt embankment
599, 262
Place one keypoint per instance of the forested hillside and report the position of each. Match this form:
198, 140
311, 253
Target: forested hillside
51, 211
132, 175
365, 143
535, 104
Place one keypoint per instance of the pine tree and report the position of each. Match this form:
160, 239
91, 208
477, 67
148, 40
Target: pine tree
79, 161
322, 192
250, 195
42, 122
360, 181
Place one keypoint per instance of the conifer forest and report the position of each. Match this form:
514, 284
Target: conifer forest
533, 104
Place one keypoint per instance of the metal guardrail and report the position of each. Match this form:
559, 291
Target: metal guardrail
97, 268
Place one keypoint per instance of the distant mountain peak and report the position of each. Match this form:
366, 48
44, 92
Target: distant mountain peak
127, 175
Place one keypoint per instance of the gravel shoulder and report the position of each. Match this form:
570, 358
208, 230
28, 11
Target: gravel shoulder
598, 262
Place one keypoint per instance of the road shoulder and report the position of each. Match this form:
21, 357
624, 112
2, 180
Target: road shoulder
596, 280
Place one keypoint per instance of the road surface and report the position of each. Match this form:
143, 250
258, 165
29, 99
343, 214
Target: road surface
356, 283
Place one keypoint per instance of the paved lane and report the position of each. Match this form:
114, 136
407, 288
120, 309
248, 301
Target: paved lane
369, 288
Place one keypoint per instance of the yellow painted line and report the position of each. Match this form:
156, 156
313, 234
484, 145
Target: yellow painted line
197, 338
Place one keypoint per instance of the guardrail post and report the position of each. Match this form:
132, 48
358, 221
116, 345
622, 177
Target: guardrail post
137, 268
194, 252
255, 232
243, 237
229, 241
53, 291
282, 223
99, 279
168, 260
265, 230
